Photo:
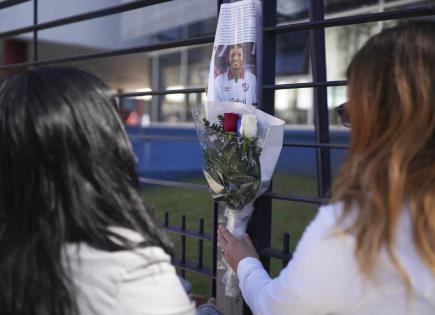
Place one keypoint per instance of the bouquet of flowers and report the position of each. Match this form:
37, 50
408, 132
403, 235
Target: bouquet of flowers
232, 159
240, 146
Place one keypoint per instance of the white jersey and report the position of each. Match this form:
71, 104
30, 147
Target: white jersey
242, 90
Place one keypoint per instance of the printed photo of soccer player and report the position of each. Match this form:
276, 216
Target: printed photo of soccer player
235, 79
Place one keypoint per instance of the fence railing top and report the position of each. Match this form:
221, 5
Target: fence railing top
81, 17
10, 3
354, 19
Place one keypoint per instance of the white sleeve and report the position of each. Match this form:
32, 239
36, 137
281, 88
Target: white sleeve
218, 89
322, 277
153, 289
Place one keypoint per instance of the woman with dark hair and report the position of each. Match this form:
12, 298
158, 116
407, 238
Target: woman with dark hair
75, 237
373, 250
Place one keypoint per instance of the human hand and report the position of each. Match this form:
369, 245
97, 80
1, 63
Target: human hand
234, 249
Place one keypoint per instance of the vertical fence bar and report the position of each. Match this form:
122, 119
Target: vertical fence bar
166, 219
156, 85
260, 227
183, 244
268, 57
200, 244
285, 247
318, 61
214, 250
35, 32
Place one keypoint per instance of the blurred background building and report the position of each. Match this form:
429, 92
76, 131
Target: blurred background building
181, 68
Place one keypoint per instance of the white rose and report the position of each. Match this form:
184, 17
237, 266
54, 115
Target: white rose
248, 125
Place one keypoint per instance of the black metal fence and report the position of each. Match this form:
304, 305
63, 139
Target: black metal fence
260, 227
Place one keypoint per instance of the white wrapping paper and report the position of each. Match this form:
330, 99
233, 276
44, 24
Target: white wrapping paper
237, 222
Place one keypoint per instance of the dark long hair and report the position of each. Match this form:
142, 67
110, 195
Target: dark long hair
67, 174
391, 159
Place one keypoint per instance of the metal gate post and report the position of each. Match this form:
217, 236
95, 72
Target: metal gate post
320, 100
260, 227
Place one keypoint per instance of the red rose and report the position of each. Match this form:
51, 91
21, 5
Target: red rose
230, 122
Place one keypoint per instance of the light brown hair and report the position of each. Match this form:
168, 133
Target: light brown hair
391, 159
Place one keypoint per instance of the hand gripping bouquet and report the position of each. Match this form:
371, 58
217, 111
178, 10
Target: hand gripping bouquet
241, 146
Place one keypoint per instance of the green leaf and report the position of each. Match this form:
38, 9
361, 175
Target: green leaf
233, 163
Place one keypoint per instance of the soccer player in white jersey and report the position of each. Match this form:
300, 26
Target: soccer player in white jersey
236, 84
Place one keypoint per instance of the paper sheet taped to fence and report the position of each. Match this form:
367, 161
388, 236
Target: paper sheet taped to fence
234, 67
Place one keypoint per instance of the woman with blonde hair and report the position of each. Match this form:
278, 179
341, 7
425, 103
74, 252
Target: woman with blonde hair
372, 251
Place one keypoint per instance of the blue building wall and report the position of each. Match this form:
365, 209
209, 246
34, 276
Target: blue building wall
173, 159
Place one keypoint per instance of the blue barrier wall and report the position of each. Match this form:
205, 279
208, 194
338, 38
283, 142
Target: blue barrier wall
172, 159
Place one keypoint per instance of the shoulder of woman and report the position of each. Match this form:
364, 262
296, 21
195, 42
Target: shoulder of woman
85, 257
327, 230
129, 234
149, 281
129, 281
332, 216
329, 215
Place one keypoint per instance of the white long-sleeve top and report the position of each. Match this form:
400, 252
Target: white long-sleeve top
324, 278
130, 282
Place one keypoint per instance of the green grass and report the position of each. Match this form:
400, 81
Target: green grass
287, 217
